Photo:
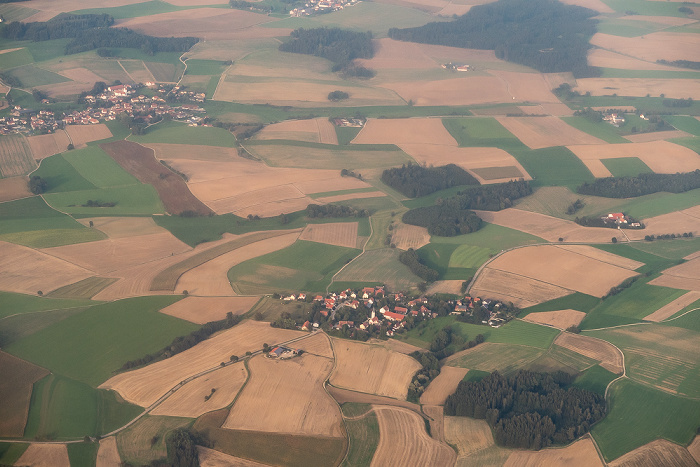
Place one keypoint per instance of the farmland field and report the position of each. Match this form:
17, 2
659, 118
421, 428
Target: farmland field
379, 266
658, 452
601, 130
474, 442
180, 133
363, 434
490, 357
15, 156
129, 200
135, 443
45, 455
13, 303
97, 168
310, 157
444, 385
626, 166
15, 392
595, 379
13, 188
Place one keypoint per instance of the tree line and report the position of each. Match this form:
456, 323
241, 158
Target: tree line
544, 34
642, 184
334, 210
528, 410
415, 180
411, 259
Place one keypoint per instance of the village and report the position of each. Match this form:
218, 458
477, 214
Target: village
108, 105
314, 7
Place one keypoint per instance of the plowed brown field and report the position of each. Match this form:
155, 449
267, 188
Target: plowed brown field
604, 352
544, 132
409, 236
340, 234
372, 369
287, 396
14, 188
656, 453
582, 453
202, 310
82, 134
145, 385
560, 319
108, 454
189, 400
444, 385
405, 130
140, 162
15, 393
44, 146
45, 455
404, 441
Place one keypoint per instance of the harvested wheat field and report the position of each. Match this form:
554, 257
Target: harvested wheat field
189, 400
675, 282
557, 110
603, 256
474, 442
44, 146
674, 307
192, 152
597, 349
437, 421
682, 275
15, 156
608, 59
652, 47
316, 130
205, 23
640, 87
444, 385
470, 159
372, 369
83, 134
544, 132
243, 206
25, 270
596, 5
108, 454
121, 227
656, 453
527, 87
112, 254
45, 455
202, 310
14, 188
317, 344
396, 345
404, 441
346, 395
582, 453
15, 393
405, 130
562, 268
510, 287
349, 196
406, 236
211, 458
450, 286
81, 75
68, 88
656, 136
211, 278
339, 233
470, 90
686, 220
287, 396
694, 448
560, 319
145, 385
140, 162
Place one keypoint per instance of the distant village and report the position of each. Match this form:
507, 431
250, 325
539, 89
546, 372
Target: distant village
315, 7
108, 105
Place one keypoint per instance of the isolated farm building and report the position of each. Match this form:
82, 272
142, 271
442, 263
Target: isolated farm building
302, 296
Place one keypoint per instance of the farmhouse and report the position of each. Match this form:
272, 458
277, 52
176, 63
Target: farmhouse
282, 353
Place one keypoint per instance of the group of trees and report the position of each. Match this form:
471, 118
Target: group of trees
642, 184
575, 207
411, 259
93, 32
528, 410
544, 34
678, 102
335, 44
334, 210
335, 96
37, 185
595, 221
415, 180
181, 445
651, 238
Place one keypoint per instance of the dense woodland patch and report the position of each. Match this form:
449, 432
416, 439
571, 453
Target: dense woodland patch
528, 410
415, 180
642, 184
544, 34
314, 211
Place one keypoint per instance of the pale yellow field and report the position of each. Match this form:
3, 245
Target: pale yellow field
112, 254
318, 344
596, 5
120, 227
339, 233
640, 87
470, 90
694, 448
68, 88
372, 369
604, 352
560, 319
202, 310
608, 59
603, 256
509, 287
674, 307
257, 202
444, 385
192, 152
81, 75
43, 146
405, 131
437, 421
683, 283
211, 278
404, 441
563, 268
287, 396
406, 236
145, 385
557, 110
82, 134
582, 453
45, 455
211, 458
14, 188
362, 195
665, 20
657, 453
189, 401
452, 286
396, 345
467, 158
108, 454
474, 442
651, 47
527, 87
25, 270
317, 130
686, 220
656, 136
544, 132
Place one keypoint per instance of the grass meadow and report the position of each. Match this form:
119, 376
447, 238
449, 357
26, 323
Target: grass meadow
95, 166
646, 8
672, 249
626, 166
15, 303
149, 8
130, 200
364, 437
82, 454
503, 358
179, 133
144, 441
688, 124
575, 301
32, 76
491, 236
205, 67
92, 344
481, 132
61, 176
595, 379
555, 166
11, 452
688, 318
381, 266
602, 130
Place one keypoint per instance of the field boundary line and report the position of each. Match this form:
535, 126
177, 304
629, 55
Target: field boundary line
364, 249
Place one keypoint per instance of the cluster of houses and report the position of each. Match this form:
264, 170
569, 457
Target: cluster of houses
26, 120
392, 316
614, 118
456, 67
314, 7
621, 220
349, 122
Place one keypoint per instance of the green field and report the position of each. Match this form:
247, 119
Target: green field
639, 415
575, 301
13, 12
673, 249
92, 344
63, 408
556, 166
437, 255
602, 130
363, 434
32, 76
61, 176
505, 358
14, 303
11, 452
144, 441
688, 318
15, 59
95, 166
205, 67
382, 266
481, 132
130, 200
14, 328
152, 7
82, 454
620, 27
180, 133
561, 359
626, 166
652, 262
304, 266
688, 124
646, 8
165, 72
346, 134
647, 74
469, 256
491, 236
595, 379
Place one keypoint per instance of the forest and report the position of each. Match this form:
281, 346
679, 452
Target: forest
528, 410
410, 258
334, 210
334, 44
92, 32
544, 34
415, 180
642, 184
